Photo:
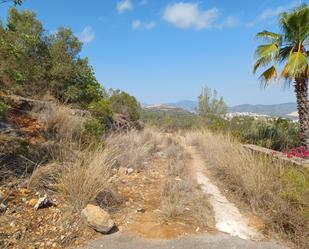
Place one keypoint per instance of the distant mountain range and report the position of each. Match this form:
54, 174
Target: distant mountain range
278, 110
188, 105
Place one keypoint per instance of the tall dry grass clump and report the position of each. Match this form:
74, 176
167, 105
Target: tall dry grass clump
77, 174
134, 148
62, 122
81, 171
84, 178
279, 193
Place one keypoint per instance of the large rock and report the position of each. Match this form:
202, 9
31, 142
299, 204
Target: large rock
44, 202
98, 219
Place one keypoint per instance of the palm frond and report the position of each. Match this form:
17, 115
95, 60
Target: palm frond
295, 24
285, 52
271, 49
296, 65
270, 37
262, 62
268, 75
266, 54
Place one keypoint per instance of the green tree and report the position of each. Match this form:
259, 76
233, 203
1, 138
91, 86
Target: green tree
290, 48
124, 103
23, 52
72, 79
209, 105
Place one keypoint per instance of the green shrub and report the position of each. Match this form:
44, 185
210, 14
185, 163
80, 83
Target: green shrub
101, 110
124, 103
277, 134
4, 108
171, 120
273, 133
95, 129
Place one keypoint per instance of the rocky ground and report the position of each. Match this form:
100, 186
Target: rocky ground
132, 204
130, 208
37, 220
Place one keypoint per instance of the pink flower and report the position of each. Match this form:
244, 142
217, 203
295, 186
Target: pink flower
306, 154
289, 155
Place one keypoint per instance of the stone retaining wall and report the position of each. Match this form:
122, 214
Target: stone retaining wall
278, 155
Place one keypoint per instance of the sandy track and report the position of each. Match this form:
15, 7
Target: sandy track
235, 231
228, 217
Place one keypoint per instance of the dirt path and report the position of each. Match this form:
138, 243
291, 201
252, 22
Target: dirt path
234, 228
227, 216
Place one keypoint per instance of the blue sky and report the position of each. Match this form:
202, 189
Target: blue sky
166, 50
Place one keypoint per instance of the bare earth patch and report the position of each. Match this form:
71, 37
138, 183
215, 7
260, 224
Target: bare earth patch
141, 214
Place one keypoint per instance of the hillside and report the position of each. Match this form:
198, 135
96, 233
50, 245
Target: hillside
188, 105
280, 110
168, 117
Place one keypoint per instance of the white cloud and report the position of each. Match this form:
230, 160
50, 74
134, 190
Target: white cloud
150, 25
124, 5
189, 15
87, 35
271, 13
231, 22
137, 24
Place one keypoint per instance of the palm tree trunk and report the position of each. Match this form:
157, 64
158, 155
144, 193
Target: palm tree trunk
301, 90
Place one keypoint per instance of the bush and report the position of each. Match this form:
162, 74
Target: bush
276, 134
101, 110
123, 103
272, 133
4, 108
171, 120
94, 129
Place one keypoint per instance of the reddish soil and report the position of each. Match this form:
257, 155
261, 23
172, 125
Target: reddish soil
142, 190
33, 129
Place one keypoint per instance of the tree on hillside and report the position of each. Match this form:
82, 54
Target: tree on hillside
290, 48
34, 63
124, 103
209, 105
23, 52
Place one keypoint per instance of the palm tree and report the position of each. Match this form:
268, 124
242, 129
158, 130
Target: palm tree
290, 49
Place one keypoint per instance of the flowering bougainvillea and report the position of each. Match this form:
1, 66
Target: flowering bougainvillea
299, 152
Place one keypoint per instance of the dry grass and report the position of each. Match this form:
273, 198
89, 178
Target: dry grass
80, 173
180, 199
44, 176
61, 122
277, 193
84, 178
134, 148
